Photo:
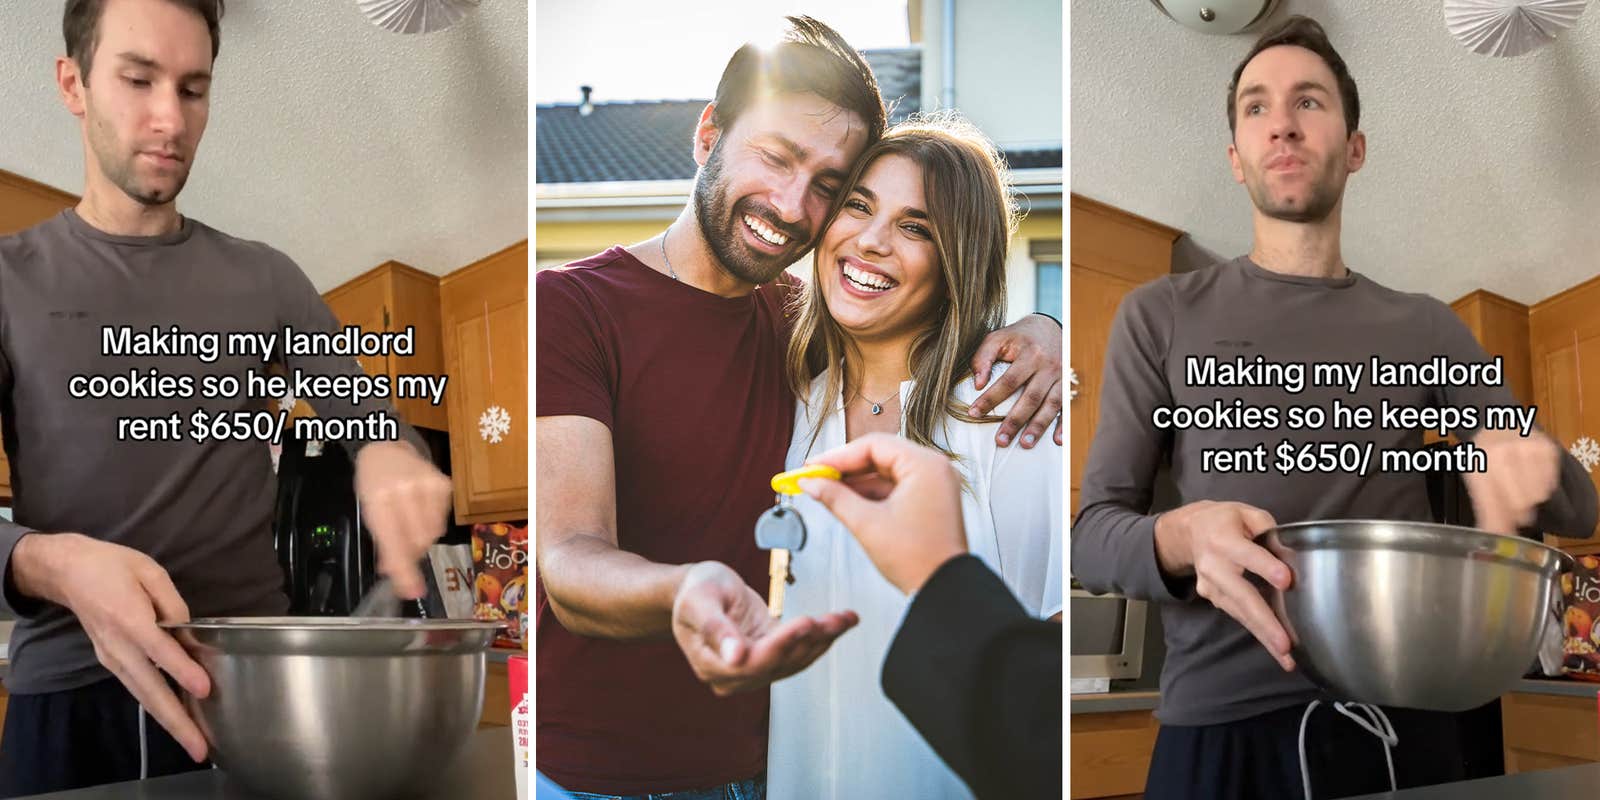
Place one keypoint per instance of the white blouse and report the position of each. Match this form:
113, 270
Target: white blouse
833, 732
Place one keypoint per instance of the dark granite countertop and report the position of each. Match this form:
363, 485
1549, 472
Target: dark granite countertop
1566, 783
484, 770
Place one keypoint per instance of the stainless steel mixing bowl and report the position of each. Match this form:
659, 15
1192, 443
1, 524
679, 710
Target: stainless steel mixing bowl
1411, 614
314, 708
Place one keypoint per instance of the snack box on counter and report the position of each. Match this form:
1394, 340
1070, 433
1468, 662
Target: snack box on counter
1581, 591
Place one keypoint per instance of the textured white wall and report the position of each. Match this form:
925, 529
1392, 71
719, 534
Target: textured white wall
331, 139
1481, 172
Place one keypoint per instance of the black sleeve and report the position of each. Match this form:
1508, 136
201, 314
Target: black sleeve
981, 681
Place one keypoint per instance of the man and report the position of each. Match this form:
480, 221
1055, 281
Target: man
1232, 708
992, 707
111, 536
663, 413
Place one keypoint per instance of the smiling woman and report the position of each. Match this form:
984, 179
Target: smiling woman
913, 254
909, 276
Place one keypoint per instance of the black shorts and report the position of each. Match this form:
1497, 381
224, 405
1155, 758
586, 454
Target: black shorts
1259, 757
75, 738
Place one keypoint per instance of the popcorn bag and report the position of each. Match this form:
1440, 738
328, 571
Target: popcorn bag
500, 562
1581, 590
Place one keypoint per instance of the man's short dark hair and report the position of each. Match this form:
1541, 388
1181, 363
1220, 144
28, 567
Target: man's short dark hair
1301, 31
81, 28
811, 57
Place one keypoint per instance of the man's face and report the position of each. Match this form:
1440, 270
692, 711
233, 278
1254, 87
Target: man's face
767, 181
1290, 148
147, 99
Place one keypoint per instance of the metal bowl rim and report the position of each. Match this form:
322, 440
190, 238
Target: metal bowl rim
331, 624
1563, 559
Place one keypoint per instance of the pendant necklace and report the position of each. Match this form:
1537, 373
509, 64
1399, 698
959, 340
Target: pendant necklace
877, 406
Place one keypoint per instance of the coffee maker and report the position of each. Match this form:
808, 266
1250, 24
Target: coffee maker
327, 556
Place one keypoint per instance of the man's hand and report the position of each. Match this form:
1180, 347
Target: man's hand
405, 504
119, 594
1033, 346
1522, 473
733, 643
1215, 543
902, 502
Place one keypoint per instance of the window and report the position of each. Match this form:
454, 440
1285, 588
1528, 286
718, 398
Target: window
1046, 255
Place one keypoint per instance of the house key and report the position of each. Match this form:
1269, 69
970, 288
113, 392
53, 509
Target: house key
782, 531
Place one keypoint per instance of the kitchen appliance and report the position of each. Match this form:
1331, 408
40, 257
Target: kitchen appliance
1413, 614
327, 555
1107, 633
331, 708
1113, 637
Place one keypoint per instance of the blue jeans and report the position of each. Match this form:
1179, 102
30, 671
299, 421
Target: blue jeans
753, 789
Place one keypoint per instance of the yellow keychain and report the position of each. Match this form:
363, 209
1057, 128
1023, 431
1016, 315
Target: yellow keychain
781, 530
789, 482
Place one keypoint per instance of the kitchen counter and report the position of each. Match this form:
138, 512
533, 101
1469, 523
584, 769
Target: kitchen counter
484, 770
502, 655
1107, 702
1566, 783
1567, 687
1144, 700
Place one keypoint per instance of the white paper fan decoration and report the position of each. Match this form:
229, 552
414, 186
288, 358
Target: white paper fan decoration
1509, 28
415, 16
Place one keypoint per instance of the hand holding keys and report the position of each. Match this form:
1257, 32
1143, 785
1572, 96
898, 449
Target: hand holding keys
781, 530
730, 641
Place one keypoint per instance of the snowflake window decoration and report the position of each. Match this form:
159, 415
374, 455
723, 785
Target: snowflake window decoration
1587, 451
493, 424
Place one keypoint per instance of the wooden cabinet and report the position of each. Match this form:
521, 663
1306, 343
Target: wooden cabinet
392, 297
1564, 342
1111, 752
1543, 731
5, 476
1112, 253
484, 312
1501, 326
24, 204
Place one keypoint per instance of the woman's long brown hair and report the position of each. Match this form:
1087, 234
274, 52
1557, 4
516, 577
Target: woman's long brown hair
972, 216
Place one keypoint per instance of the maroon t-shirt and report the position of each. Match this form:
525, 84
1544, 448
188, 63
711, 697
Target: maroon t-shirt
691, 385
